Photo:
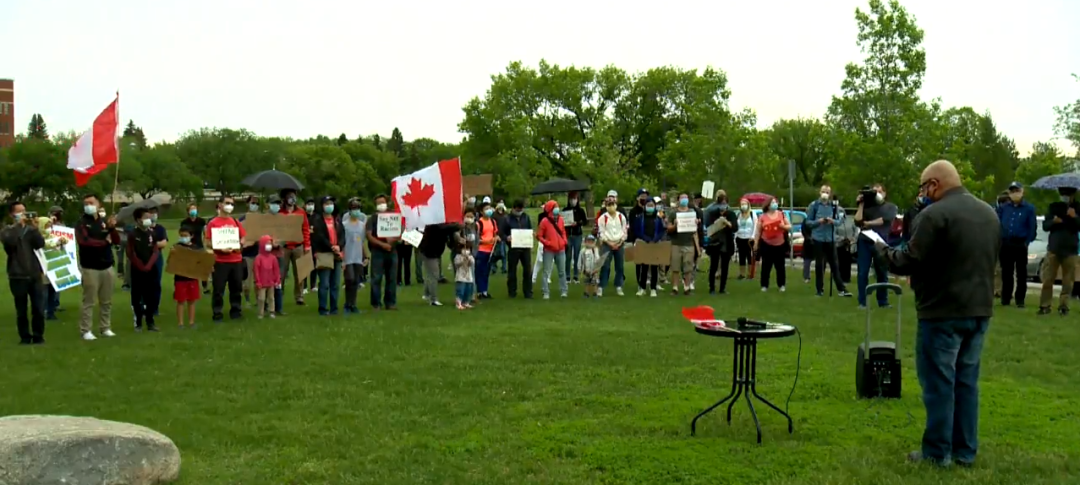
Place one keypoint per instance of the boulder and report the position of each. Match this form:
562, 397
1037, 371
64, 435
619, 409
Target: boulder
69, 450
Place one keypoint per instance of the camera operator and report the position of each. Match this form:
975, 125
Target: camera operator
877, 215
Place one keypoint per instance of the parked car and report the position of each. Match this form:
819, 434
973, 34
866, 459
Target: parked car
1037, 252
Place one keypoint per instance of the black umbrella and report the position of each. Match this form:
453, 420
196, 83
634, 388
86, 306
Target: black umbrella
273, 180
555, 186
128, 213
1059, 181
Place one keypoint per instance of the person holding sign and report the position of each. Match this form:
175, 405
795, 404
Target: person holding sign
682, 227
552, 236
770, 243
328, 242
225, 236
720, 240
186, 290
25, 274
143, 254
96, 236
383, 260
44, 225
518, 255
647, 227
294, 250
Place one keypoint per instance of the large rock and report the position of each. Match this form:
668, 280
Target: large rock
68, 450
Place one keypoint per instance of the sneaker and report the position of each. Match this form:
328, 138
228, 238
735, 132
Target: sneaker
89, 336
260, 317
783, 289
562, 295
436, 303
618, 290
271, 316
806, 281
107, 333
599, 292
575, 281
138, 328
640, 293
547, 296
691, 288
424, 297
764, 289
652, 293
1063, 311
305, 292
845, 294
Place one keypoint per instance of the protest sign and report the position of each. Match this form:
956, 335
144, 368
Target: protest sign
305, 264
388, 225
567, 217
476, 184
708, 187
628, 253
521, 238
225, 237
283, 229
653, 253
685, 222
190, 263
412, 238
61, 264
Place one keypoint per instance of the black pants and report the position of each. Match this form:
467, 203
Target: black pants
1014, 259
522, 257
721, 259
145, 295
825, 253
354, 274
646, 275
31, 325
404, 267
231, 274
772, 257
745, 255
844, 258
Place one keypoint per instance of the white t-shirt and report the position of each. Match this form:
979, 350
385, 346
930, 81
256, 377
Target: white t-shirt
746, 226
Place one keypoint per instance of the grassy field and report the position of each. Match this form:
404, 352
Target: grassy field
545, 392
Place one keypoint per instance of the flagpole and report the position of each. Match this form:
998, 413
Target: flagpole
116, 175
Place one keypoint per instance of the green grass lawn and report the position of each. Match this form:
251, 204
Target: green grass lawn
545, 392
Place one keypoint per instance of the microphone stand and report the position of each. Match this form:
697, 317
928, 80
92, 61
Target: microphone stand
832, 250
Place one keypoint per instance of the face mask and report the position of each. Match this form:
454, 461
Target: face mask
555, 211
824, 196
488, 212
744, 207
500, 207
355, 213
291, 201
684, 202
472, 200
723, 207
612, 209
469, 220
192, 213
101, 213
1016, 196
310, 208
650, 210
573, 201
227, 208
517, 212
269, 247
880, 198
773, 206
185, 240
275, 208
18, 217
381, 207
253, 207
925, 201
90, 209
153, 217
147, 222
328, 209
1066, 198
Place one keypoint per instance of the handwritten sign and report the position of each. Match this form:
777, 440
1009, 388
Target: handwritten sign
653, 253
388, 225
521, 238
685, 222
708, 187
412, 238
190, 263
225, 237
280, 228
61, 264
567, 217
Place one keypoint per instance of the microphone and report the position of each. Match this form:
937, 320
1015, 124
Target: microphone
745, 323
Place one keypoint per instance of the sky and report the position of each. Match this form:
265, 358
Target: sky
300, 69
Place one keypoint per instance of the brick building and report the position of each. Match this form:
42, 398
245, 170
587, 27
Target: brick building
7, 112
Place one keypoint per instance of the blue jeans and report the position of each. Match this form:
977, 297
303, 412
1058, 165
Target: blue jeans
52, 300
557, 261
605, 270
947, 354
867, 257
483, 272
329, 285
463, 291
383, 273
573, 250
499, 256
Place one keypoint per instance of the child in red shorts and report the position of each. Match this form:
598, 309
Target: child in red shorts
185, 290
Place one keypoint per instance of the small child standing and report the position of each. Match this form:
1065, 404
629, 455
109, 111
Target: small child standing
589, 264
185, 290
267, 275
463, 274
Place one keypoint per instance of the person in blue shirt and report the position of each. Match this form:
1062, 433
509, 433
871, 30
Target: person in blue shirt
1018, 229
823, 216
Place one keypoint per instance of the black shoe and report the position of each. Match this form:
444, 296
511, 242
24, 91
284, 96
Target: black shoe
1018, 305
235, 316
1044, 310
1063, 311
1005, 303
218, 317
151, 328
442, 280
38, 341
51, 316
25, 342
300, 302
820, 294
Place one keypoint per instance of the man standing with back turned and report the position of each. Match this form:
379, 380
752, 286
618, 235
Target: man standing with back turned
951, 258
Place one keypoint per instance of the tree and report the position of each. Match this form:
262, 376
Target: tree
803, 141
396, 145
342, 139
1068, 121
223, 157
37, 128
1044, 159
135, 134
375, 140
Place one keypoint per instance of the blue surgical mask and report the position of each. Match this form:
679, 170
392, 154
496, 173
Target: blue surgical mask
555, 211
925, 201
253, 207
355, 213
328, 209
193, 213
488, 212
723, 207
18, 217
147, 222
650, 210
185, 240
773, 206
90, 209
275, 208
684, 202
153, 217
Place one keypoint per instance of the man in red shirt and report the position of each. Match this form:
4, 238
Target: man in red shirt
228, 262
295, 251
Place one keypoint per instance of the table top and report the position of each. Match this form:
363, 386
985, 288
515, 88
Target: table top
774, 330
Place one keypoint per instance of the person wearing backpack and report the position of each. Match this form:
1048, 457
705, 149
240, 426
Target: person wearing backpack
823, 217
228, 263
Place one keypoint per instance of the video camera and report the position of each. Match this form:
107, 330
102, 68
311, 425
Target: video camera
869, 196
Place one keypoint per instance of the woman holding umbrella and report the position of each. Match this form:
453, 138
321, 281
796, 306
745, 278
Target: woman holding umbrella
1063, 242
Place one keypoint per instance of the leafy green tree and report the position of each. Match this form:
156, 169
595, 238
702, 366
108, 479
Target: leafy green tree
396, 144
342, 139
37, 128
1044, 159
223, 157
1068, 121
135, 133
375, 140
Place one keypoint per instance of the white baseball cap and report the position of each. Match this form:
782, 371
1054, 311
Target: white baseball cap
612, 193
487, 199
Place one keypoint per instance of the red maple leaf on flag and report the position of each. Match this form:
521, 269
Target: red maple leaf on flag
419, 194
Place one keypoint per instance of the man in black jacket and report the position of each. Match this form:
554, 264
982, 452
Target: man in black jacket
96, 236
720, 239
1061, 248
951, 258
518, 219
432, 246
25, 277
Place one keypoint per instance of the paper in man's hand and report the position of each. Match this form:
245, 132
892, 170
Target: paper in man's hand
873, 236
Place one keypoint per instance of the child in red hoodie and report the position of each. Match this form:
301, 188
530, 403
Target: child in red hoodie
552, 236
267, 275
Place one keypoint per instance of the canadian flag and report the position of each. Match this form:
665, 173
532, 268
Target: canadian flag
431, 195
97, 147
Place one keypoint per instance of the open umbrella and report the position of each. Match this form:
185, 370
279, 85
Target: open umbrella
127, 214
756, 198
1059, 181
556, 186
272, 180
